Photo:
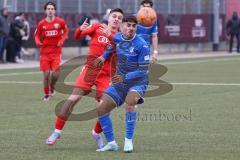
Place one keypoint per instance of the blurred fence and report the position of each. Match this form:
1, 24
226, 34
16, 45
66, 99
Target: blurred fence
180, 21
130, 6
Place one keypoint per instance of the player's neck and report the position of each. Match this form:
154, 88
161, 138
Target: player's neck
128, 38
50, 19
113, 29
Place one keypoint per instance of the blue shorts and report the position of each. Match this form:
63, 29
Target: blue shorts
118, 92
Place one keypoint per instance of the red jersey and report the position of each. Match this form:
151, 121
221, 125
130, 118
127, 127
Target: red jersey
98, 44
49, 34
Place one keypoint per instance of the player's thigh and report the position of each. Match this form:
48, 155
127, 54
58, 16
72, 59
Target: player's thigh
102, 83
81, 83
117, 92
45, 63
136, 95
105, 105
46, 75
55, 62
77, 93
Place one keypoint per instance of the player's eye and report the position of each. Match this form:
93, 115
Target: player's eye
120, 18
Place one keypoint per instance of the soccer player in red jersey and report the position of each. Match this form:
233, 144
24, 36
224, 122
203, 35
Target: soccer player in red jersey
91, 75
50, 35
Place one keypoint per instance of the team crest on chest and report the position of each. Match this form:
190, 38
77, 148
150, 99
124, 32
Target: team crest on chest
56, 25
131, 49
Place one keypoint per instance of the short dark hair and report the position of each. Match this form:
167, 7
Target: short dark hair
130, 18
116, 10
21, 13
147, 1
50, 3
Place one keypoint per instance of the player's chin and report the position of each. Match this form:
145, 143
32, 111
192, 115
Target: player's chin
115, 24
130, 34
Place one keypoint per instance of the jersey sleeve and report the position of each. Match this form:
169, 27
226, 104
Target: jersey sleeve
79, 34
37, 34
143, 63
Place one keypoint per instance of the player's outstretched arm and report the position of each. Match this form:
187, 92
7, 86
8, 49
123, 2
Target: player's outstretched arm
85, 30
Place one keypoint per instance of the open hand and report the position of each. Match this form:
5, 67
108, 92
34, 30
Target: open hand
105, 30
85, 25
99, 61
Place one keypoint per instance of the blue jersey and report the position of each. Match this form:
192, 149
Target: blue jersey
146, 32
133, 58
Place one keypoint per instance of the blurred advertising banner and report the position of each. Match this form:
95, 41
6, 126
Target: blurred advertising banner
172, 28
187, 28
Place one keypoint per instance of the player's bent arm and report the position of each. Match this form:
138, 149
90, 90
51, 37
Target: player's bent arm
109, 51
37, 35
64, 35
65, 31
79, 34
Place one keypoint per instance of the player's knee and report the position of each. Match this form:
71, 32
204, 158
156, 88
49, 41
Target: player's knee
130, 101
74, 98
56, 73
46, 75
129, 108
101, 108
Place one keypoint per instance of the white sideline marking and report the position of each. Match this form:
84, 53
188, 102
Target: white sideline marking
173, 83
199, 61
18, 73
206, 84
163, 63
20, 82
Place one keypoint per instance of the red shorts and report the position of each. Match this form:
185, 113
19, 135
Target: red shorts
90, 77
50, 61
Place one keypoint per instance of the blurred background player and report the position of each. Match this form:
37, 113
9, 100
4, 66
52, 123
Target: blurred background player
105, 16
233, 30
50, 35
128, 85
149, 34
4, 31
14, 43
91, 75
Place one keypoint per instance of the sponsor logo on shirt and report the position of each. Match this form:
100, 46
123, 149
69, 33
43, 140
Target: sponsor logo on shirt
146, 58
56, 25
102, 39
131, 49
51, 33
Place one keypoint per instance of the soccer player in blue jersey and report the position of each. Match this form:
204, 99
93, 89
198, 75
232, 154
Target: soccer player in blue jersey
149, 34
128, 84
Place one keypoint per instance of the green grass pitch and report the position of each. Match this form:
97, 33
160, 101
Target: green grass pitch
198, 119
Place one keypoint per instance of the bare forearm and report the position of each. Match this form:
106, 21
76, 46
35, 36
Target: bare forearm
155, 42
